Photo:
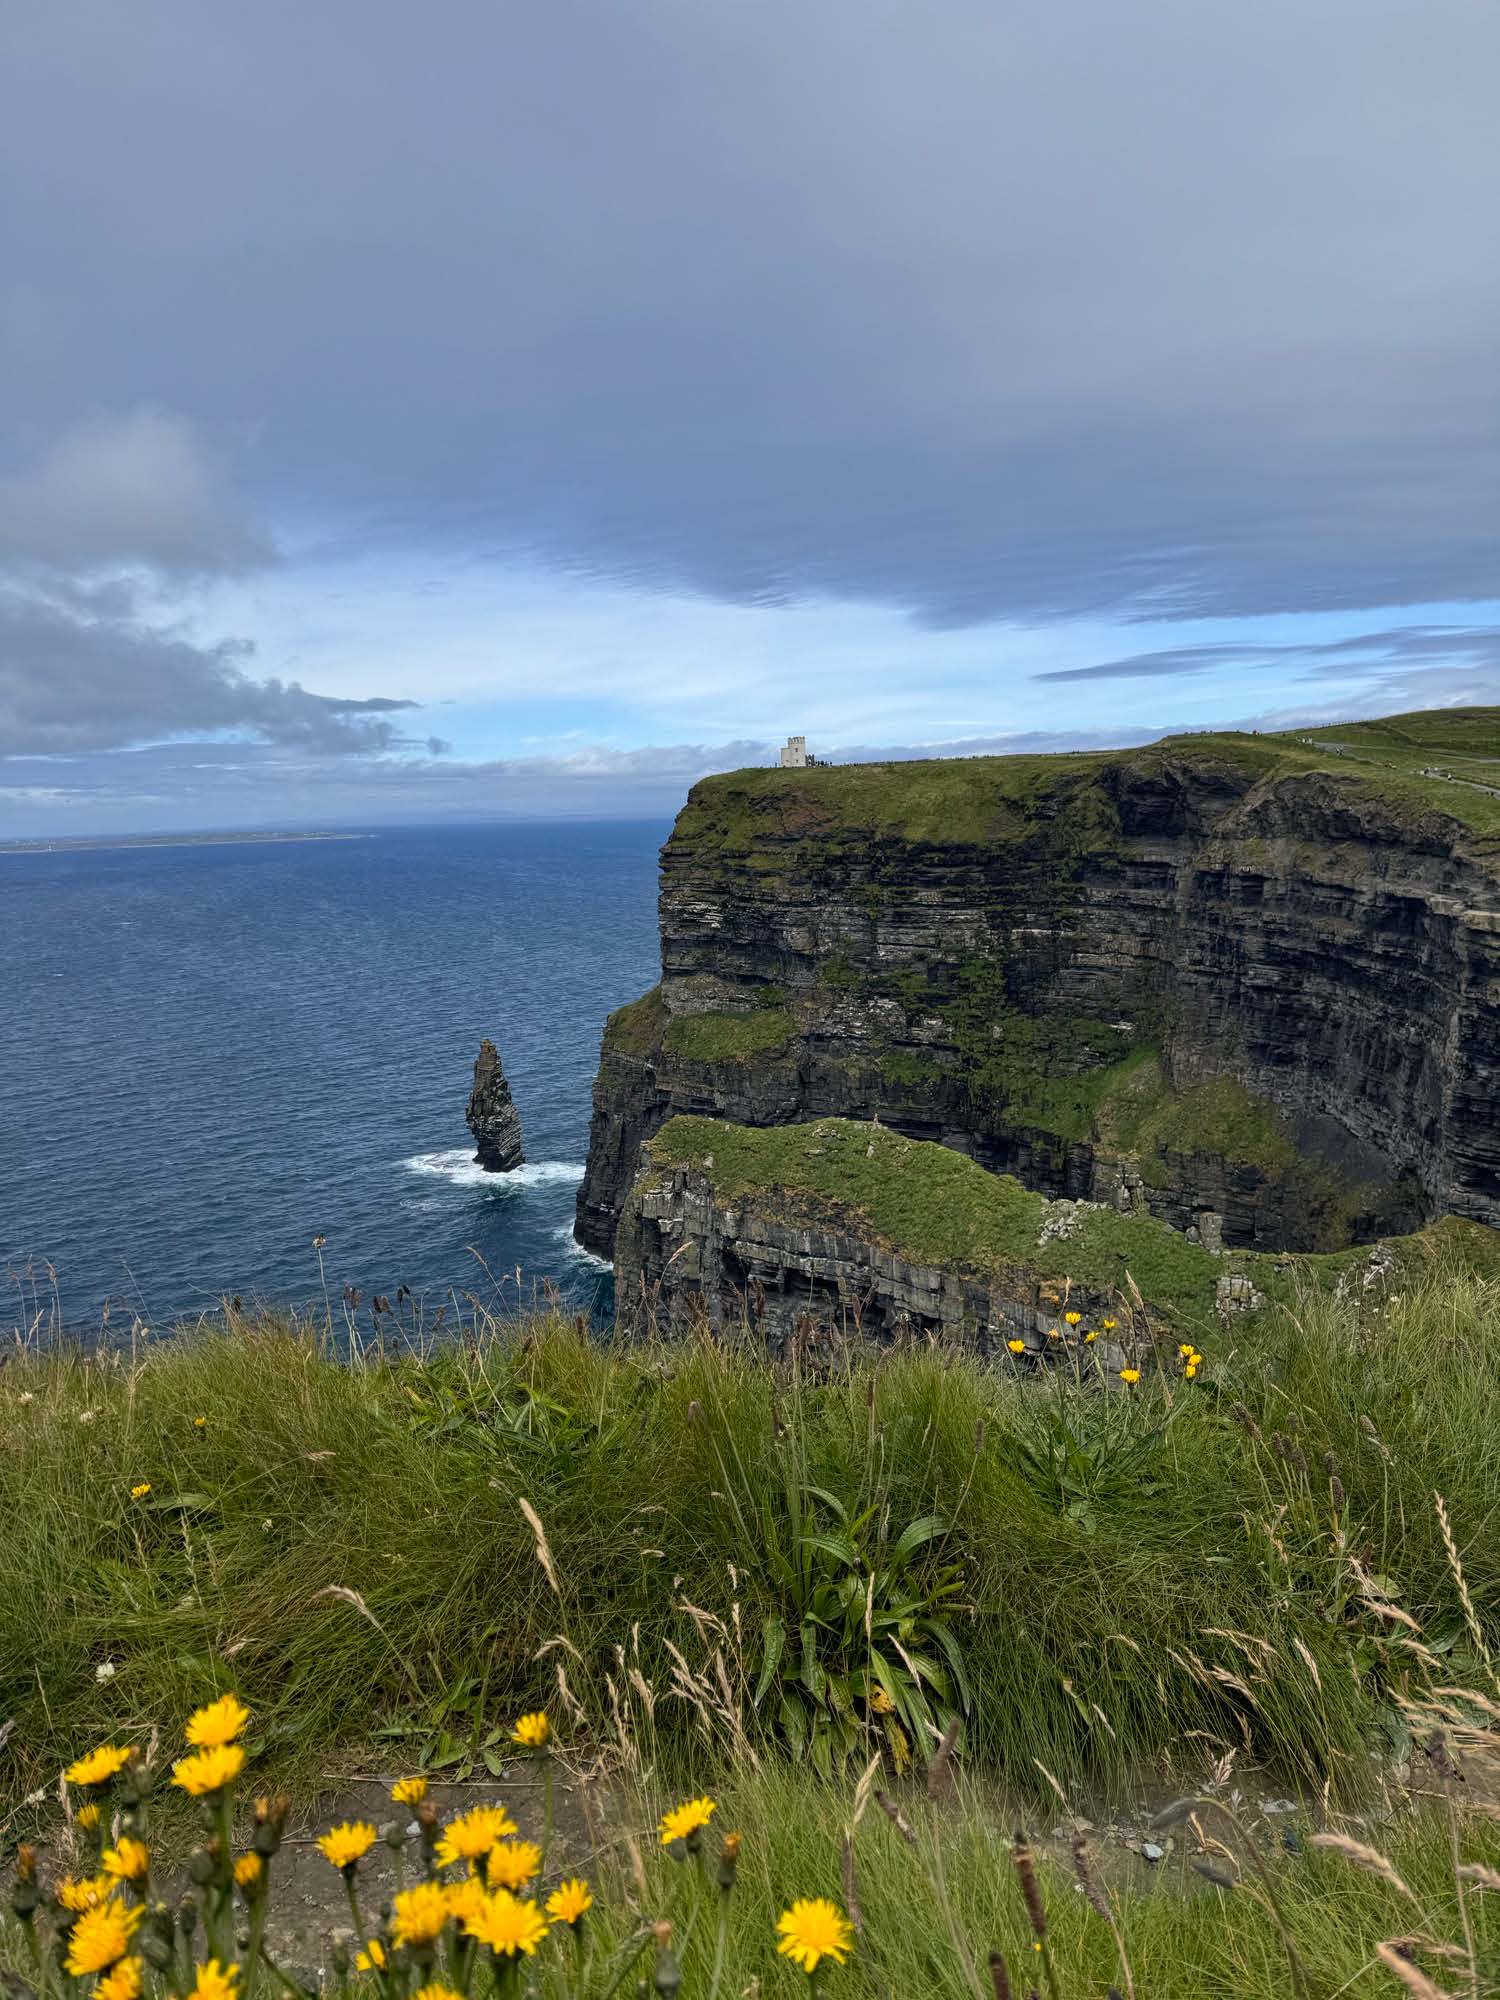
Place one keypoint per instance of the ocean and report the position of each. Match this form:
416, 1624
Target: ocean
211, 1054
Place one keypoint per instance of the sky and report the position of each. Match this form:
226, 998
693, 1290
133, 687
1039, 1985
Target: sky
499, 409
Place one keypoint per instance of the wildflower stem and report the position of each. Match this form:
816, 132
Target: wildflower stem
298, 1992
720, 1942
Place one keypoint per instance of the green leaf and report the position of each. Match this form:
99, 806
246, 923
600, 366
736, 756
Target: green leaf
773, 1641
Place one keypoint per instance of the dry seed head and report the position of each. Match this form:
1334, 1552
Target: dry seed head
1364, 1857
1031, 1894
1000, 1978
1411, 1976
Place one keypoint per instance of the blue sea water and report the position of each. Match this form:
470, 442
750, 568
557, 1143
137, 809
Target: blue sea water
211, 1054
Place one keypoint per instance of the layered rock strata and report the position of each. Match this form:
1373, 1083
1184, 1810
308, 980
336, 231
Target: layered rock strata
491, 1115
1260, 1004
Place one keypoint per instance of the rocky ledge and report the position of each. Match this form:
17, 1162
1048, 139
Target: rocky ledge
491, 1116
1243, 986
840, 1228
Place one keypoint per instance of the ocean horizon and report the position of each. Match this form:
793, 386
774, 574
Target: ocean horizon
218, 1049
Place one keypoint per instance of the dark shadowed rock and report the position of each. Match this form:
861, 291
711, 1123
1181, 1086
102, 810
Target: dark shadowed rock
491, 1116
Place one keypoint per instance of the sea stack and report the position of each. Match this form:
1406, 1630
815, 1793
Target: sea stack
491, 1116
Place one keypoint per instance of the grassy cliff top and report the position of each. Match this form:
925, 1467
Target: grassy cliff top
985, 800
933, 1206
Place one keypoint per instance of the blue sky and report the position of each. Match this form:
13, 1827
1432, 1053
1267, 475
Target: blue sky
524, 411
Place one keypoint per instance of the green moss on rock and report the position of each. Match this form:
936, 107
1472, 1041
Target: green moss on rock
711, 1038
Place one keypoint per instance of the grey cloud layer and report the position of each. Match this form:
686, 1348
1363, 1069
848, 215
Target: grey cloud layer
1053, 308
70, 683
1464, 647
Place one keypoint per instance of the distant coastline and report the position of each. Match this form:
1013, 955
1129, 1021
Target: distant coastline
86, 844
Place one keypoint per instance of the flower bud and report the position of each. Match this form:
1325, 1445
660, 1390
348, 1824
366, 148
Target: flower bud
729, 1861
203, 1865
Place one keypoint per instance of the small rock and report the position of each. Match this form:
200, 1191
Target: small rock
1152, 1853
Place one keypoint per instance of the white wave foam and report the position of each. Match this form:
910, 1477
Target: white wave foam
457, 1165
576, 1251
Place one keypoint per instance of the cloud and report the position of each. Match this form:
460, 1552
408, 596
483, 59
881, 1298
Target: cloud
1035, 311
70, 684
1473, 647
132, 489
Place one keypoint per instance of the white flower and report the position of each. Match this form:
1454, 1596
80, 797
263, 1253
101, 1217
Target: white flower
26, 1396
105, 1671
87, 1416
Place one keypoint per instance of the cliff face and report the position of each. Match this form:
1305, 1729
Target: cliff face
491, 1115
1259, 1001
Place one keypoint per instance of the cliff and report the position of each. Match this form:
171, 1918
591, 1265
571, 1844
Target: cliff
1247, 985
491, 1115
833, 1226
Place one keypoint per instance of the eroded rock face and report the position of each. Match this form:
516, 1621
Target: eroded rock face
1333, 955
491, 1116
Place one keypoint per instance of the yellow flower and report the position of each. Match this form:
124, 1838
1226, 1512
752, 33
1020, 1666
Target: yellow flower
409, 1791
417, 1915
347, 1844
1016, 1346
101, 1936
569, 1900
474, 1833
1072, 1318
1053, 1334
212, 1727
98, 1766
215, 1982
129, 1861
209, 1770
1130, 1374
1110, 1325
84, 1892
513, 1864
372, 1958
532, 1731
686, 1819
200, 1424
506, 1924
1185, 1349
86, 1817
464, 1896
140, 1492
437, 1991
1191, 1370
814, 1929
123, 1983
248, 1870
1091, 1334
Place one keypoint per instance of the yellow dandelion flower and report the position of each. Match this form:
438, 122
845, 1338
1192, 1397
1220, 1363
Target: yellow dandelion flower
569, 1900
84, 1892
129, 1860
1191, 1370
1073, 1318
99, 1766
409, 1791
140, 1492
123, 1982
1130, 1374
814, 1929
506, 1924
532, 1731
86, 1818
513, 1864
474, 1833
1090, 1335
248, 1870
347, 1844
687, 1819
1110, 1325
215, 1982
200, 1423
1185, 1349
372, 1958
1016, 1346
209, 1770
437, 1991
1053, 1334
212, 1727
464, 1897
419, 1914
101, 1936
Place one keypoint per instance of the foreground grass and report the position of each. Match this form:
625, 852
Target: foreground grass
1142, 1580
